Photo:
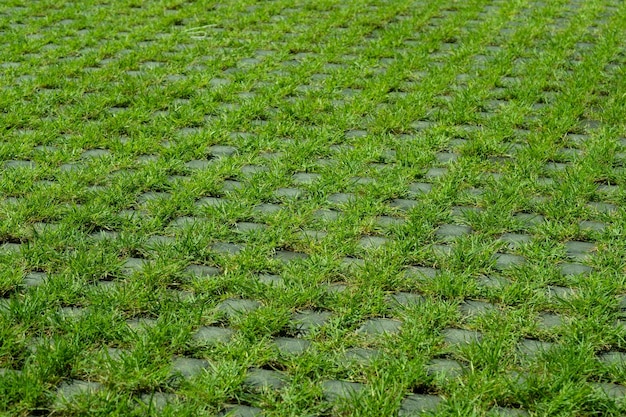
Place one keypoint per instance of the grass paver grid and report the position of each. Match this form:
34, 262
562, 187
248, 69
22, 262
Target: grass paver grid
327, 208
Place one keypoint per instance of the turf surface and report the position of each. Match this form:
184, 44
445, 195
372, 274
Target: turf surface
313, 208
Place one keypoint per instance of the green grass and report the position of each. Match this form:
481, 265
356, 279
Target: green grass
330, 208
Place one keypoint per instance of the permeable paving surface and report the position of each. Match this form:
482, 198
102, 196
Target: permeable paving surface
299, 208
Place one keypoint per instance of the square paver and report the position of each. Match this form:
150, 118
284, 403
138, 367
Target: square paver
263, 379
241, 411
308, 320
419, 405
235, 307
379, 326
188, 367
460, 337
341, 390
531, 349
613, 391
69, 391
291, 346
210, 335
444, 368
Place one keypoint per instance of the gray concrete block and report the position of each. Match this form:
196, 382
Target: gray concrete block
446, 157
141, 324
419, 405
10, 248
389, 222
115, 354
202, 271
528, 220
449, 232
132, 265
615, 392
579, 251
356, 133
362, 180
156, 242
563, 293
308, 320
240, 411
312, 235
341, 198
267, 209
404, 299
372, 242
222, 150
263, 379
235, 307
305, 178
419, 188
462, 212
444, 368
613, 358
232, 185
360, 356
379, 326
20, 164
289, 193
210, 335
421, 273
591, 226
95, 154
507, 412
435, 173
210, 202
287, 256
250, 170
602, 208
226, 248
71, 167
70, 391
550, 321
271, 280
568, 268
460, 337
422, 124
153, 196
291, 346
351, 263
184, 221
474, 308
10, 372
35, 279
493, 282
403, 204
73, 313
515, 241
158, 400
442, 250
249, 227
336, 288
188, 367
341, 390
530, 348
505, 261
198, 164
326, 215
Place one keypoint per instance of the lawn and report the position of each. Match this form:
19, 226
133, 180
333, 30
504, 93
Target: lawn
313, 208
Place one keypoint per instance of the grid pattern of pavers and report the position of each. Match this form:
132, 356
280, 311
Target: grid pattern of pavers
220, 207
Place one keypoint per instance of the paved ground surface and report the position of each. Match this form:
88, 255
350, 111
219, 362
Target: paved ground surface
312, 208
